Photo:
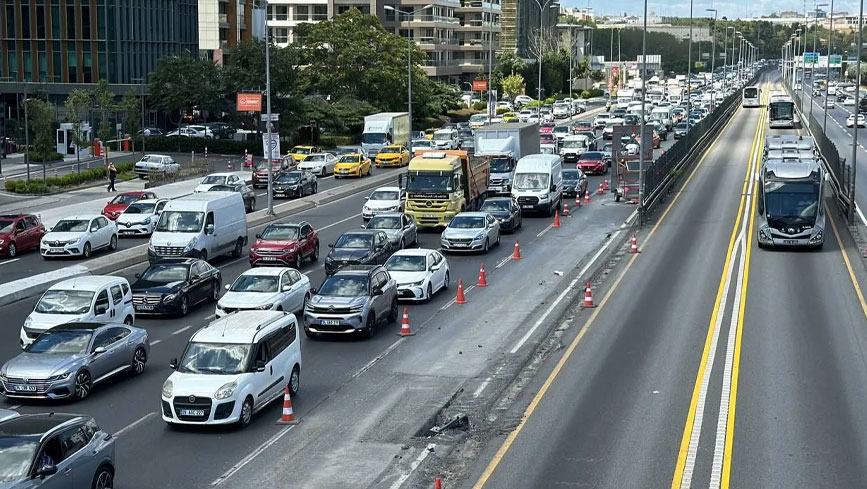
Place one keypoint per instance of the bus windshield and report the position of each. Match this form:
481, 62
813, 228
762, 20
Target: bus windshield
751, 92
781, 111
792, 201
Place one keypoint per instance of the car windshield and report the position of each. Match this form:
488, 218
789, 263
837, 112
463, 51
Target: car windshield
531, 181
300, 150
124, 199
406, 263
574, 143
592, 155
291, 177
6, 226
315, 158
563, 129
61, 342
467, 222
495, 206
255, 283
384, 195
214, 358
501, 165
71, 226
213, 179
792, 199
442, 136
350, 159
165, 273
384, 222
65, 302
570, 175
263, 165
280, 232
151, 159
357, 241
344, 286
16, 452
139, 208
181, 222
349, 151
389, 150
221, 188
373, 138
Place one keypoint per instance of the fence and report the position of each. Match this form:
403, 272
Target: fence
197, 166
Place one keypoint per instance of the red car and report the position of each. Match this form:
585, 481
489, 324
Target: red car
593, 162
19, 232
546, 128
282, 244
117, 205
547, 138
260, 172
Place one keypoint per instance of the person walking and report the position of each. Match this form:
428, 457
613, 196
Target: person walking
112, 175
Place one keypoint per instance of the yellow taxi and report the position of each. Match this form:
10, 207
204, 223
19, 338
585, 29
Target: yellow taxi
352, 165
392, 155
301, 152
429, 132
510, 117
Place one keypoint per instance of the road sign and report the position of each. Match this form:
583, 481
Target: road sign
836, 60
480, 85
811, 58
273, 118
274, 146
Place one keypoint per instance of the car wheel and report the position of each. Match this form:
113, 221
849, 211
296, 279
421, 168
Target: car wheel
446, 282
85, 252
429, 292
12, 250
215, 291
128, 321
297, 263
370, 329
315, 187
315, 256
185, 305
393, 312
487, 246
139, 359
246, 413
252, 205
239, 248
103, 479
498, 239
112, 244
82, 385
294, 381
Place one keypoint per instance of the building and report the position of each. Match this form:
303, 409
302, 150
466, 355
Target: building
223, 24
521, 22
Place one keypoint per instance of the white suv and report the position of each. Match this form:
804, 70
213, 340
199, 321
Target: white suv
232, 368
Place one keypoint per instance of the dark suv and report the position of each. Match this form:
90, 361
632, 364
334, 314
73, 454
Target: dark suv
353, 300
221, 130
359, 247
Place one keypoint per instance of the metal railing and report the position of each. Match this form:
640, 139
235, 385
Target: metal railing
198, 166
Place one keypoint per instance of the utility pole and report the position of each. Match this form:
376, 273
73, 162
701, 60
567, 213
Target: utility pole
713, 59
855, 130
828, 71
542, 4
688, 73
813, 71
643, 118
26, 130
269, 123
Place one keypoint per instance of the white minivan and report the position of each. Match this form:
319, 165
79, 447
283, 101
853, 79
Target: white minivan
232, 368
97, 298
200, 225
538, 183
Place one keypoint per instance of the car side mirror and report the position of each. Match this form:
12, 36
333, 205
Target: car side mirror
364, 226
173, 363
100, 310
195, 276
331, 245
259, 236
377, 292
379, 247
209, 229
286, 288
138, 275
94, 229
99, 350
260, 365
46, 470
313, 290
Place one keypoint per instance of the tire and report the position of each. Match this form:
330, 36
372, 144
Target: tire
185, 306
315, 255
429, 293
103, 479
246, 413
304, 305
82, 385
393, 312
139, 360
128, 321
112, 243
446, 282
298, 260
370, 330
487, 247
315, 188
323, 173
215, 292
498, 239
520, 222
252, 205
239, 248
85, 252
402, 244
12, 250
294, 381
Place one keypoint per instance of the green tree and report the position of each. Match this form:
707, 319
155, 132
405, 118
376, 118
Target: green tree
104, 99
78, 102
512, 85
41, 116
131, 107
181, 84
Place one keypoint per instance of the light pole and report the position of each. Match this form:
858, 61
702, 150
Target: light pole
141, 82
409, 61
688, 74
542, 4
857, 105
828, 71
491, 109
641, 130
713, 58
269, 123
815, 35
726, 57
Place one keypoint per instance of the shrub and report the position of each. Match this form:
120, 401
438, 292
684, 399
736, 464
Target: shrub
215, 146
479, 106
334, 140
502, 110
67, 181
594, 92
38, 157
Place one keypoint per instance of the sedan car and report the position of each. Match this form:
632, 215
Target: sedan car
361, 247
321, 164
79, 236
851, 121
285, 244
574, 183
155, 165
67, 360
549, 138
593, 162
506, 211
296, 183
248, 195
260, 172
680, 130
471, 231
546, 128
226, 178
274, 289
561, 131
352, 165
173, 286
140, 218
523, 99
400, 228
419, 273
120, 202
383, 200
392, 155
19, 232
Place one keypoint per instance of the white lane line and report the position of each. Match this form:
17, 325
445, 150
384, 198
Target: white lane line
9, 261
16, 406
563, 294
482, 386
550, 226
340, 221
183, 329
249, 458
414, 465
155, 342
134, 424
504, 261
860, 214
212, 316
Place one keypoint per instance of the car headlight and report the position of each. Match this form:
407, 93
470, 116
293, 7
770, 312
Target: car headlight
366, 209
28, 322
73, 241
265, 307
55, 378
356, 308
191, 244
765, 232
479, 237
170, 297
416, 284
226, 391
818, 237
168, 388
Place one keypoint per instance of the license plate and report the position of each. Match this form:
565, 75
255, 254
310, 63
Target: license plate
192, 412
459, 245
25, 388
268, 258
144, 308
790, 241
526, 206
331, 322
344, 171
429, 216
56, 250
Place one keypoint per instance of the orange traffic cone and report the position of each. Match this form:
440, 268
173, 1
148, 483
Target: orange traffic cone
483, 278
288, 416
634, 247
577, 200
605, 185
516, 255
588, 297
460, 299
404, 325
556, 219
565, 209
601, 190
438, 483
587, 196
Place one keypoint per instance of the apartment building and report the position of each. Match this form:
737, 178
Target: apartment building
223, 24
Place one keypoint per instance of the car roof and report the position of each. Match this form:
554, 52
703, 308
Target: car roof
220, 174
362, 231
90, 283
36, 425
472, 214
497, 199
413, 252
388, 214
238, 327
387, 189
149, 201
357, 270
15, 216
265, 271
79, 217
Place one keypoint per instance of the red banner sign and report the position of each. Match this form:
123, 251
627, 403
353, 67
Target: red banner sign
480, 85
249, 102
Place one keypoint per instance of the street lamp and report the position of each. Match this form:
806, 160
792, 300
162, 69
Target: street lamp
491, 109
269, 123
641, 130
688, 74
543, 4
828, 69
141, 82
815, 35
726, 57
857, 110
409, 58
712, 57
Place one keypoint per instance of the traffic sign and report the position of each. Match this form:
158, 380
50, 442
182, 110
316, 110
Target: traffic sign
274, 146
836, 60
811, 58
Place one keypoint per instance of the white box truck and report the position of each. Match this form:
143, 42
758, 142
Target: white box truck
503, 145
383, 129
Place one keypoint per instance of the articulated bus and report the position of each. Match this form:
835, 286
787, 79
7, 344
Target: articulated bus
781, 112
752, 97
790, 205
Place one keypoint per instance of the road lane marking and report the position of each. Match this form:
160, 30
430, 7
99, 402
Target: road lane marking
449, 303
414, 465
135, 423
860, 214
9, 261
504, 261
155, 342
848, 264
339, 222
16, 406
548, 228
183, 329
249, 458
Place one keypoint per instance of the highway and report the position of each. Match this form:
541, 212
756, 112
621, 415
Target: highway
708, 362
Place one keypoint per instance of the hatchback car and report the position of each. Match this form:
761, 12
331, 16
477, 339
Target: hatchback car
361, 247
399, 227
19, 232
174, 285
140, 218
506, 211
120, 202
574, 183
419, 273
561, 131
296, 183
851, 121
69, 359
680, 130
50, 450
593, 162
285, 244
383, 200
79, 236
471, 231
217, 179
260, 172
351, 301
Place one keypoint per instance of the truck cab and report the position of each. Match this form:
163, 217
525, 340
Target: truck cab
442, 184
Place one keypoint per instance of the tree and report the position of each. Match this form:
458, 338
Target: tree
104, 99
41, 116
513, 85
77, 104
131, 107
509, 63
181, 84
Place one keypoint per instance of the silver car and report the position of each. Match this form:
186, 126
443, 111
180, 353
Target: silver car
399, 227
67, 360
471, 231
54, 451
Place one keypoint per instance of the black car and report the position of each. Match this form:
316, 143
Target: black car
246, 192
574, 182
221, 130
296, 183
361, 247
174, 285
506, 211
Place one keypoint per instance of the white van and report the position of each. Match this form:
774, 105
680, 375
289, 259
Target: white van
538, 183
200, 225
98, 298
446, 139
663, 114
232, 368
573, 147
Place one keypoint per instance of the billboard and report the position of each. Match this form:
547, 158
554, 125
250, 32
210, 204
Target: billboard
480, 85
249, 102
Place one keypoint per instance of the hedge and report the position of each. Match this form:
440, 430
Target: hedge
215, 146
479, 105
592, 93
335, 140
54, 184
51, 156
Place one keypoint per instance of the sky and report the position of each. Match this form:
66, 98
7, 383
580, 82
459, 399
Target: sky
680, 8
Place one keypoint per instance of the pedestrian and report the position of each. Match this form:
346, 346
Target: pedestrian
112, 175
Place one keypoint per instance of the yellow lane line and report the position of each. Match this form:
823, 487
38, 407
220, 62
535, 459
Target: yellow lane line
849, 267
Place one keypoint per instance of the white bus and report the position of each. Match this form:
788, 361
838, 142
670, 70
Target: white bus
781, 112
752, 97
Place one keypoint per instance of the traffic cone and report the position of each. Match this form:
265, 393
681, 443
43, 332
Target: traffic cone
565, 209
404, 325
438, 483
601, 190
588, 297
605, 185
587, 196
460, 299
634, 247
483, 278
577, 200
556, 219
288, 416
516, 255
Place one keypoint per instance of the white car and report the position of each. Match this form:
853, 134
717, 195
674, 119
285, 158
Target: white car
534, 118
419, 273
847, 101
264, 288
227, 178
321, 164
524, 115
507, 105
155, 164
562, 110
422, 145
79, 236
192, 132
471, 231
561, 131
523, 99
600, 120
850, 121
383, 200
140, 218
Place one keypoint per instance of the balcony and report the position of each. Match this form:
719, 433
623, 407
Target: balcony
478, 6
442, 63
437, 42
478, 45
437, 19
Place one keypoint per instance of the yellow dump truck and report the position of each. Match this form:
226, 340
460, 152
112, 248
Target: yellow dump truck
441, 184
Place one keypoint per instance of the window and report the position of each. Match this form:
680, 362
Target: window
72, 66
296, 276
116, 294
25, 22
70, 24
87, 65
209, 220
28, 64
103, 339
101, 301
31, 222
262, 354
302, 12
320, 12
40, 22
10, 21
281, 339
90, 428
118, 334
280, 35
125, 288
55, 22
85, 22
281, 12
